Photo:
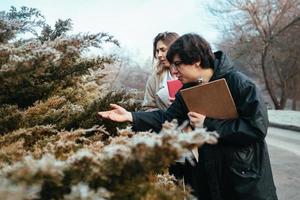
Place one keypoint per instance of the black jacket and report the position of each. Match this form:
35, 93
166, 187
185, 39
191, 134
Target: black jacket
238, 167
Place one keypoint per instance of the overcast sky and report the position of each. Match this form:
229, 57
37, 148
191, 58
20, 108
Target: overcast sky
133, 22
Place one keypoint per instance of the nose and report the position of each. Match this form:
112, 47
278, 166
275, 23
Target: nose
174, 70
159, 54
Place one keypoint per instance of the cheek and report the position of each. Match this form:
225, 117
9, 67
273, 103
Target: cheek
188, 75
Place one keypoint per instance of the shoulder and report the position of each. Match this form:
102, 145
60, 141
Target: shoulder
241, 87
153, 78
237, 79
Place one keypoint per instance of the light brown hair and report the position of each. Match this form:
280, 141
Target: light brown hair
167, 38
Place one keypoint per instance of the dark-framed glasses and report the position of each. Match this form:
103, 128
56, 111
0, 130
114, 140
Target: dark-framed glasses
176, 65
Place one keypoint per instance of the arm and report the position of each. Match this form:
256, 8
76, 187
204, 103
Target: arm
250, 126
149, 102
143, 121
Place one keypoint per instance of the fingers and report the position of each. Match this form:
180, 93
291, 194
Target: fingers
212, 140
195, 115
193, 118
104, 114
108, 115
171, 99
196, 119
115, 106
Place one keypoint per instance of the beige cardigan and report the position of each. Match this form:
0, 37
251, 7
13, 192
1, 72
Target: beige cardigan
156, 94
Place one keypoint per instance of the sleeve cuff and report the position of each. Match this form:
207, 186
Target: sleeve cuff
209, 123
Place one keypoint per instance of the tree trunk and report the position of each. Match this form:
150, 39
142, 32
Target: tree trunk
283, 97
267, 83
294, 105
283, 100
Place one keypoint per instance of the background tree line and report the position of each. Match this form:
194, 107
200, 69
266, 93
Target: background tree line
263, 35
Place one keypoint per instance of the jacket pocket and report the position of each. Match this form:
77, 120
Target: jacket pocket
245, 162
245, 172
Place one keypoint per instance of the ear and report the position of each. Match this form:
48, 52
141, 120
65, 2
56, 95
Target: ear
198, 64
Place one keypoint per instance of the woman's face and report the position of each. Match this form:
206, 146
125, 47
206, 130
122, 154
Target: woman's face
161, 53
188, 72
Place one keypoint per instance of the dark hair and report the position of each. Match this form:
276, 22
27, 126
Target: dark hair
192, 48
166, 37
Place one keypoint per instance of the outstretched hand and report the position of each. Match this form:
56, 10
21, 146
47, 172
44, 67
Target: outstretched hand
117, 114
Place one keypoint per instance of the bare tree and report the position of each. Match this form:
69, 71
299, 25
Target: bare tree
264, 34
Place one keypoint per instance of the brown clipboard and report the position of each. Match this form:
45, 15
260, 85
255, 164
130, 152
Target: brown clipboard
212, 99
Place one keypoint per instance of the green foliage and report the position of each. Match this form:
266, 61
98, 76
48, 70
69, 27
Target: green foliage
32, 71
15, 146
67, 115
28, 136
39, 140
15, 22
10, 118
60, 28
54, 164
89, 117
68, 112
53, 111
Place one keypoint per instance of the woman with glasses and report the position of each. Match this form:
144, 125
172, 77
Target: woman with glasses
156, 91
238, 166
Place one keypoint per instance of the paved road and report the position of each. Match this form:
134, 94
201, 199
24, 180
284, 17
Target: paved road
284, 149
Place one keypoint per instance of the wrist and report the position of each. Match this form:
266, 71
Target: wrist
129, 117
